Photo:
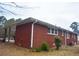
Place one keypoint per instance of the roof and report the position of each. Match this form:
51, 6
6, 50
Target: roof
30, 19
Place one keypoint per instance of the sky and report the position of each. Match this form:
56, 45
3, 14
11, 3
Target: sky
61, 14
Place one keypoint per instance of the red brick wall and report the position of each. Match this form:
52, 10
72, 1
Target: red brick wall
41, 35
61, 37
72, 39
23, 35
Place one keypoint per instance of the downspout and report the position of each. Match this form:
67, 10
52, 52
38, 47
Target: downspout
32, 31
65, 38
76, 39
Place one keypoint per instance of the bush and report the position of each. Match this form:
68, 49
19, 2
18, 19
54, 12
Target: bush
35, 49
44, 47
57, 43
38, 49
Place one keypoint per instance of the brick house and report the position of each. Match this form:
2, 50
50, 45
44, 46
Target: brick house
31, 33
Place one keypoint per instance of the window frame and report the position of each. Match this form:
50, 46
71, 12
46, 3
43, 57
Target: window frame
68, 35
52, 32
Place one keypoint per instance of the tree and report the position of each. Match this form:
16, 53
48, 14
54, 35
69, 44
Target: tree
18, 20
8, 25
57, 42
5, 23
2, 22
75, 26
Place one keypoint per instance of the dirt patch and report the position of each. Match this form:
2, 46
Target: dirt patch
10, 49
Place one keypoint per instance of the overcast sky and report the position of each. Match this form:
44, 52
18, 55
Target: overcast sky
57, 13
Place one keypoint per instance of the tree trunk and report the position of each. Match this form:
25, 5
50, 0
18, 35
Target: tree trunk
9, 34
5, 34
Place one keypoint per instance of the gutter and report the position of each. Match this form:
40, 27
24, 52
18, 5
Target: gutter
32, 31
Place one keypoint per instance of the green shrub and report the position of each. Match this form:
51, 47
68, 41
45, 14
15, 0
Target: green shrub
38, 49
35, 49
57, 42
44, 47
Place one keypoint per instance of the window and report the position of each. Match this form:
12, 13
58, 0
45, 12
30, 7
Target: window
48, 30
72, 36
56, 31
52, 31
78, 27
68, 36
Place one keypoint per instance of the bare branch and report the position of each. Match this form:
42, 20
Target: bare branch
7, 4
8, 10
16, 5
12, 4
22, 6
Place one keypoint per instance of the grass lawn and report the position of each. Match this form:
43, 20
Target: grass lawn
10, 49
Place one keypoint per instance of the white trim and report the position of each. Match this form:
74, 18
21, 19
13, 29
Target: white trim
32, 30
51, 34
63, 33
68, 35
50, 31
54, 31
57, 32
